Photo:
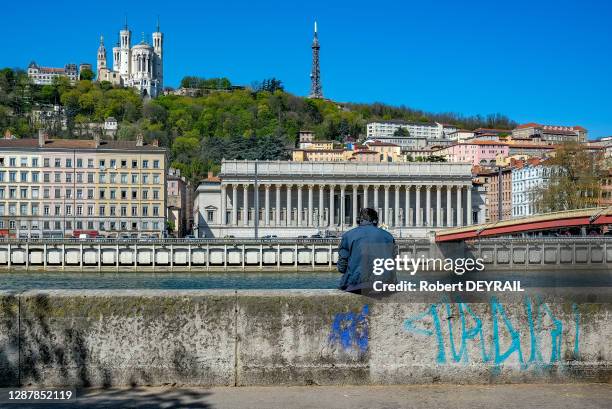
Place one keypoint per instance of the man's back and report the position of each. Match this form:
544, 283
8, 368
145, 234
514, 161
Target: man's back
358, 249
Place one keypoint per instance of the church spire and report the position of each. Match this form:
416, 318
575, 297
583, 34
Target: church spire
316, 90
157, 25
101, 60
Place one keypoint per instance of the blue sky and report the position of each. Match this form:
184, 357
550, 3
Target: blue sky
541, 61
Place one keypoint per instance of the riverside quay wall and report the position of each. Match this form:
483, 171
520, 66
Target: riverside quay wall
295, 337
288, 254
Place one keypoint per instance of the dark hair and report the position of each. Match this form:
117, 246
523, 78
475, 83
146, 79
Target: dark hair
369, 215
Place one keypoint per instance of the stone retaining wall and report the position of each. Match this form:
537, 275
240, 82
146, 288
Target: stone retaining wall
293, 337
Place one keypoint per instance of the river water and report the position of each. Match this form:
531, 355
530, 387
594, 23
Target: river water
169, 281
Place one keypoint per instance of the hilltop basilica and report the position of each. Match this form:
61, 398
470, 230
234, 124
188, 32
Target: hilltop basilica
140, 66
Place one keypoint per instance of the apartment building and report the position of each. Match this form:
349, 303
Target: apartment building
56, 187
180, 203
46, 75
500, 188
475, 152
428, 130
527, 179
550, 133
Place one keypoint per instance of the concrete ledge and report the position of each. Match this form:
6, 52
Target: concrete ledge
100, 338
295, 337
9, 339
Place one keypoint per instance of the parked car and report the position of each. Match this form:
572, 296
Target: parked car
316, 236
190, 237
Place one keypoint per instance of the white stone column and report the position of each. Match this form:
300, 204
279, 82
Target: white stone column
407, 219
321, 222
376, 201
245, 203
223, 205
469, 205
459, 209
387, 206
449, 208
235, 205
354, 202
289, 211
397, 206
342, 202
310, 206
332, 189
439, 206
365, 196
428, 205
277, 209
299, 205
417, 209
267, 206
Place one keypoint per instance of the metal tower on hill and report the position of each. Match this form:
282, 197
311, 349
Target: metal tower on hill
316, 90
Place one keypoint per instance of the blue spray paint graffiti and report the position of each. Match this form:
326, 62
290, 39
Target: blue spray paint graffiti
542, 325
350, 330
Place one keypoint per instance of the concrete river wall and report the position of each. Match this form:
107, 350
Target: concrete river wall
285, 254
322, 337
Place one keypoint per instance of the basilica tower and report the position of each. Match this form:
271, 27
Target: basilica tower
101, 57
158, 67
125, 44
316, 90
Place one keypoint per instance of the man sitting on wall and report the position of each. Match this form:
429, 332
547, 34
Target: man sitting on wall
358, 249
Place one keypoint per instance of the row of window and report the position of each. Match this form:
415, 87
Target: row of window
529, 184
34, 177
80, 225
13, 192
80, 163
33, 209
526, 210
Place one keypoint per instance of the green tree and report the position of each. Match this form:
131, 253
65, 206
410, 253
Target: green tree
86, 74
401, 131
575, 177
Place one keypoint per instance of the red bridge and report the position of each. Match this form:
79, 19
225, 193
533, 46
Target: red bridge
596, 217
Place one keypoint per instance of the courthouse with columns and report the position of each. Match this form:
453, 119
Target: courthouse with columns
304, 198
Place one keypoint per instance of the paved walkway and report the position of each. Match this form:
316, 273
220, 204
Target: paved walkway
579, 396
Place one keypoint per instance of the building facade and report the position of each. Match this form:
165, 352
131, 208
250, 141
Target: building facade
550, 133
180, 203
527, 179
297, 198
461, 135
46, 75
427, 130
53, 188
499, 190
140, 67
404, 142
476, 152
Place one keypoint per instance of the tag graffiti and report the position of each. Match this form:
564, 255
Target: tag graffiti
497, 336
349, 330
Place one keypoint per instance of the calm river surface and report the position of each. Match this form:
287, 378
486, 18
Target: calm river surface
169, 281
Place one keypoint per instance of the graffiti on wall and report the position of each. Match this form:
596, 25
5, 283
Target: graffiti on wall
349, 330
456, 328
